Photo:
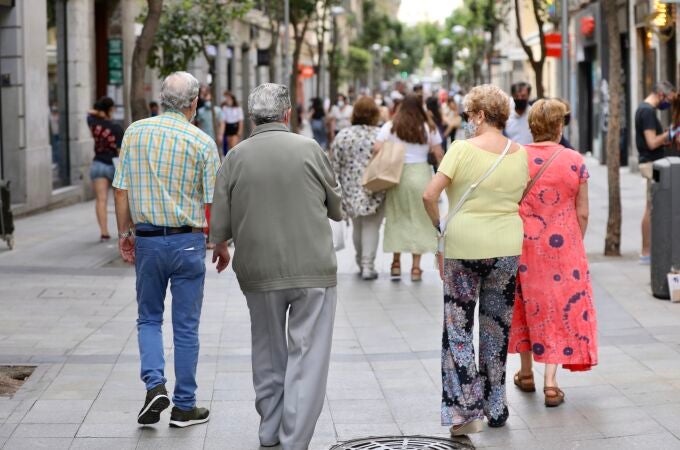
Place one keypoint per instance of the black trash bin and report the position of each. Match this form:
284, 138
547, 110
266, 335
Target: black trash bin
6, 218
665, 223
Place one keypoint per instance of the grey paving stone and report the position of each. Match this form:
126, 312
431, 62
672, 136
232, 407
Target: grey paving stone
104, 444
32, 443
58, 411
47, 430
177, 443
360, 411
112, 430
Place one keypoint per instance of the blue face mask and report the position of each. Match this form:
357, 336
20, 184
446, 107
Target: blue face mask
664, 105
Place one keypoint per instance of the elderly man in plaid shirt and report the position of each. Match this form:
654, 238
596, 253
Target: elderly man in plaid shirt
165, 178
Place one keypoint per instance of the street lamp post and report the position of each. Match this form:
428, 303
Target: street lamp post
456, 30
285, 73
335, 12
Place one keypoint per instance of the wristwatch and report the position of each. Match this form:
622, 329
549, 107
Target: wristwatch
127, 234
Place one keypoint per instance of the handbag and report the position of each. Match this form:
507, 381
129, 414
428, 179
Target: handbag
441, 239
540, 172
384, 170
338, 234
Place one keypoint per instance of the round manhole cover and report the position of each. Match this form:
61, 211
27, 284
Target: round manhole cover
403, 443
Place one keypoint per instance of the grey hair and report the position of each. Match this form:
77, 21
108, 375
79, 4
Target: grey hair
178, 91
664, 87
268, 103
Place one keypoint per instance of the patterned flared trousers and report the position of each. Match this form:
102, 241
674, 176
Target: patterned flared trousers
468, 393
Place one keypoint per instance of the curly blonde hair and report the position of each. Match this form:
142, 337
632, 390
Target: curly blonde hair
546, 118
492, 100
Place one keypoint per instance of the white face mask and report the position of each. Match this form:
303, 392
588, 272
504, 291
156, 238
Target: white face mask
341, 104
470, 129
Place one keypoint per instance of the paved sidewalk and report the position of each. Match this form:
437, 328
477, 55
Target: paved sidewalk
67, 306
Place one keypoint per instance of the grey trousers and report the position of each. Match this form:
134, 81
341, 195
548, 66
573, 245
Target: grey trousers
289, 375
365, 235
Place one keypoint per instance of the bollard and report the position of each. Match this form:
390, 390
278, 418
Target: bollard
665, 250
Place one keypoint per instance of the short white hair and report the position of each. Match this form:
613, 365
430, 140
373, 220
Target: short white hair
178, 91
268, 103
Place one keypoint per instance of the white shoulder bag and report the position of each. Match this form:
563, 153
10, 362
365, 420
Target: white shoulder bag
441, 239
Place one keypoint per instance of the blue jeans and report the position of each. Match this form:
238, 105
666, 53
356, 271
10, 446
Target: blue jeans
180, 260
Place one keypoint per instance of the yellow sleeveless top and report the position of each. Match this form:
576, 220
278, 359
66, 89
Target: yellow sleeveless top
488, 225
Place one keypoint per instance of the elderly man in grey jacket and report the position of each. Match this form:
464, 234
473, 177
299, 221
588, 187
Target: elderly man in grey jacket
273, 196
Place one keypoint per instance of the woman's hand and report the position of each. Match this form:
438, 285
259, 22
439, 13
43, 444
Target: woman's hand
440, 264
377, 147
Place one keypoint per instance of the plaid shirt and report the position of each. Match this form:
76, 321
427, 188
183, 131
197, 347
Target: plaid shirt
168, 166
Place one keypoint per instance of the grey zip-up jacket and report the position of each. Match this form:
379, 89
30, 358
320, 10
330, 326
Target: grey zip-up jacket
274, 195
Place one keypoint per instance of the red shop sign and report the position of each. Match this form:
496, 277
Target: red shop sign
553, 45
587, 26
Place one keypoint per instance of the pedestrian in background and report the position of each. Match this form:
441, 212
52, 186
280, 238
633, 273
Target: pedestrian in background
352, 151
154, 109
554, 319
435, 114
517, 128
204, 119
107, 136
341, 115
319, 122
650, 139
453, 119
232, 114
564, 142
274, 195
166, 176
479, 260
407, 227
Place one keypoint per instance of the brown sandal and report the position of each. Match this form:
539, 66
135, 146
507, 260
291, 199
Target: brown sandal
553, 396
395, 270
525, 383
416, 274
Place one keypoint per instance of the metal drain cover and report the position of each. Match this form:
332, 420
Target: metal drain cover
402, 443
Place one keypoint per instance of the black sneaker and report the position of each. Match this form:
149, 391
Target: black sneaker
156, 401
181, 419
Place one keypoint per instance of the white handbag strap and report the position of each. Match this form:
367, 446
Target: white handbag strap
473, 186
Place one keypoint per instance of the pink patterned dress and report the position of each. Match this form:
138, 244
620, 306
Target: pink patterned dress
554, 316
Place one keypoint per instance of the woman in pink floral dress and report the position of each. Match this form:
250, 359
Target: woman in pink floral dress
554, 317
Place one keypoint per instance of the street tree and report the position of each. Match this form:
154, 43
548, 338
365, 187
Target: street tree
273, 9
358, 65
612, 243
539, 9
302, 13
140, 55
191, 28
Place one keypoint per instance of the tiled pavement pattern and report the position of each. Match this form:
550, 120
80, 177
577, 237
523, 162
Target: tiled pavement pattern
67, 308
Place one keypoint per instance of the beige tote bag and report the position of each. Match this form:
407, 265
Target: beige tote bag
384, 170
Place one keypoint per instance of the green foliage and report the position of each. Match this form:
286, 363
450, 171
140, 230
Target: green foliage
358, 62
188, 26
405, 43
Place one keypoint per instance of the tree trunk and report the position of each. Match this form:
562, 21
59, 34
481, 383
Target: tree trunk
140, 55
538, 72
294, 124
272, 55
333, 65
612, 242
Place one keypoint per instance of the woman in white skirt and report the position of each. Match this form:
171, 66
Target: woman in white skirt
407, 227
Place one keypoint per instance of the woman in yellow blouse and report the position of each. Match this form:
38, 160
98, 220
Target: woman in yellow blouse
483, 244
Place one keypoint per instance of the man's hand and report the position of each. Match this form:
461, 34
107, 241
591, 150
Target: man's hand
126, 247
221, 256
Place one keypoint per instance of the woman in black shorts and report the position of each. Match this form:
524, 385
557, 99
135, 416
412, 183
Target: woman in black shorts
233, 121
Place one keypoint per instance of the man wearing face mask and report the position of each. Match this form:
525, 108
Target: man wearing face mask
517, 127
341, 115
650, 139
165, 177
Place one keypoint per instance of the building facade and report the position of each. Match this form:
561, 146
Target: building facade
56, 58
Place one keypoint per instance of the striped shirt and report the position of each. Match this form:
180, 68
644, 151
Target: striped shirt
168, 166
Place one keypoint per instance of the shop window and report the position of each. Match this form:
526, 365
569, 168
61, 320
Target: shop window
57, 107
